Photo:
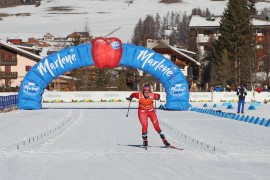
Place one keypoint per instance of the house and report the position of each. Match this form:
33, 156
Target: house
48, 37
14, 64
184, 59
63, 83
59, 42
33, 45
207, 29
6, 3
85, 36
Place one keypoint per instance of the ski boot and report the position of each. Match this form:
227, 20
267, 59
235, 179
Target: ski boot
145, 141
162, 136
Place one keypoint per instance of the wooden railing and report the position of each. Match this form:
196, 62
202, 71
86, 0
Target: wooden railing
8, 62
8, 75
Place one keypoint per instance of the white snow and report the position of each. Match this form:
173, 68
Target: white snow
102, 16
98, 141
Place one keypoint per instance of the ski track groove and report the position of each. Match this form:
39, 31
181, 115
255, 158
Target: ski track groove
42, 136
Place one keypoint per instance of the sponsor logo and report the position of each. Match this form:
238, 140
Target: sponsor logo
115, 45
111, 95
31, 88
158, 65
48, 66
178, 89
83, 95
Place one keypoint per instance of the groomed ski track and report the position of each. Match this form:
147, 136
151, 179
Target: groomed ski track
98, 141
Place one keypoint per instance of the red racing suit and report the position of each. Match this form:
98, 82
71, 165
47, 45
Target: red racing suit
146, 109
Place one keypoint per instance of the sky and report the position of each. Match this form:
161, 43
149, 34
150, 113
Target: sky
97, 141
103, 16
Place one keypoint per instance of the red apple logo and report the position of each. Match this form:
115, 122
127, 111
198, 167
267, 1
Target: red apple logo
106, 52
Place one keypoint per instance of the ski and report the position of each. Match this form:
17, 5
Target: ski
145, 147
173, 147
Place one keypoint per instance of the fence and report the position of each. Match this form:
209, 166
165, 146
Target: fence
8, 102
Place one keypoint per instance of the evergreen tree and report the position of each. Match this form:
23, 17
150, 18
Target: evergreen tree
148, 29
158, 31
183, 29
138, 33
101, 81
76, 40
236, 36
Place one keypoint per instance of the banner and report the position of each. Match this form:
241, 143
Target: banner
107, 54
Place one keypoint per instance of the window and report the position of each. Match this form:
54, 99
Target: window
173, 58
207, 32
27, 68
7, 68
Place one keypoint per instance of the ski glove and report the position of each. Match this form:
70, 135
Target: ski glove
129, 98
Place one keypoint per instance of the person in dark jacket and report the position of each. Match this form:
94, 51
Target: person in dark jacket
241, 93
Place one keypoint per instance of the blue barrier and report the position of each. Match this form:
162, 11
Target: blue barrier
8, 101
251, 107
260, 121
252, 119
234, 116
243, 118
247, 119
226, 104
255, 104
267, 123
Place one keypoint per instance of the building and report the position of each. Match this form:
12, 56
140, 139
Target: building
16, 61
184, 59
14, 64
9, 3
206, 30
84, 36
6, 3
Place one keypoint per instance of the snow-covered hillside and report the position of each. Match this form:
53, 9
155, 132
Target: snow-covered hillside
61, 17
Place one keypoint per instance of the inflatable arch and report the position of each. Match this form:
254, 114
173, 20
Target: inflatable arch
104, 53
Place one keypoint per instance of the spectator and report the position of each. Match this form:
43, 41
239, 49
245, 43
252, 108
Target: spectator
241, 93
194, 87
228, 88
218, 88
265, 88
259, 89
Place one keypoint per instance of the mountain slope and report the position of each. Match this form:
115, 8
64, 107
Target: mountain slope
61, 17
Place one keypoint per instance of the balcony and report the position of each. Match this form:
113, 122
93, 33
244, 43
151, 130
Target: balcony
8, 75
8, 62
205, 39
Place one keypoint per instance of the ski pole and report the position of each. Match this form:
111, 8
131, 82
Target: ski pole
128, 108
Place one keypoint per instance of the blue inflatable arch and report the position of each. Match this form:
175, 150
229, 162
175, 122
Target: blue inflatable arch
49, 68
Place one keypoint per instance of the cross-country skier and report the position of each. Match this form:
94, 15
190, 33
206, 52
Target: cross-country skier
146, 109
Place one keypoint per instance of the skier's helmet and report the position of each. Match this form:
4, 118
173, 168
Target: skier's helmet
146, 88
